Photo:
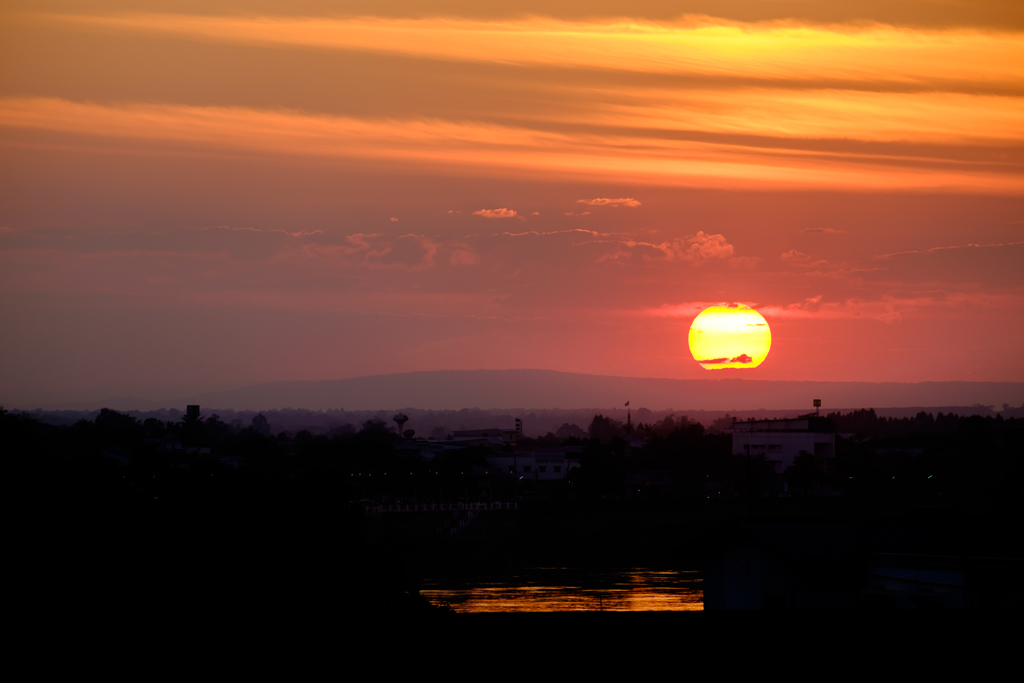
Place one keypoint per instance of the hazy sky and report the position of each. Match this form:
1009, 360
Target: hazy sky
205, 195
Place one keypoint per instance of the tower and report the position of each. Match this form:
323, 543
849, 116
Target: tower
400, 420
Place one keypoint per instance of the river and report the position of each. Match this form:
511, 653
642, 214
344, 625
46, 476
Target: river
561, 589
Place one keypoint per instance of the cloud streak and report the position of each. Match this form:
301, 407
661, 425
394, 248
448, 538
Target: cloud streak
887, 308
782, 50
299, 233
604, 201
496, 213
933, 250
459, 147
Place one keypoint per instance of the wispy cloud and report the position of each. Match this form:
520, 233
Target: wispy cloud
794, 256
496, 213
699, 248
895, 56
885, 308
826, 231
933, 250
551, 232
516, 152
604, 201
297, 233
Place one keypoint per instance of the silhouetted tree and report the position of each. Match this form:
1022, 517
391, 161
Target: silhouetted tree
260, 425
603, 428
804, 474
569, 431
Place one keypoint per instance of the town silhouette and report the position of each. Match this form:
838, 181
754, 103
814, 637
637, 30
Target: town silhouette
838, 510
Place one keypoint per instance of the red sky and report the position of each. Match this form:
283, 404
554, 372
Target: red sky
197, 196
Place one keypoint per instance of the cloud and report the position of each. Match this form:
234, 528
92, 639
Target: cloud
409, 252
551, 232
827, 231
887, 309
496, 213
793, 50
361, 240
540, 152
604, 201
299, 233
585, 213
703, 247
933, 250
688, 309
794, 256
369, 248
742, 358
393, 219
614, 256
698, 248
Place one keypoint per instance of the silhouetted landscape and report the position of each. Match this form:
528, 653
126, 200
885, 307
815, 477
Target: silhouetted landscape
171, 514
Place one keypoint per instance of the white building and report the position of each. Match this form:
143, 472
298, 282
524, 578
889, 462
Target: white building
552, 464
780, 441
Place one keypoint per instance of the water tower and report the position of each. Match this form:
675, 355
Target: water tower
400, 420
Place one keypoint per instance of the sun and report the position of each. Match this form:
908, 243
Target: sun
730, 336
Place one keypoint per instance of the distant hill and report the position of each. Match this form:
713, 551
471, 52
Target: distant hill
547, 389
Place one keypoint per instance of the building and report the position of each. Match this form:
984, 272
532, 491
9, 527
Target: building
781, 441
507, 436
550, 464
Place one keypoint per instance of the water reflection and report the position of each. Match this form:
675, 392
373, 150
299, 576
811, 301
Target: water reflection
559, 589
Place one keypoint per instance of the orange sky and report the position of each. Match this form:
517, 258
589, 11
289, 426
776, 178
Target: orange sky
204, 195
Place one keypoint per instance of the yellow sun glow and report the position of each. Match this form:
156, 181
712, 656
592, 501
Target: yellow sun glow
730, 336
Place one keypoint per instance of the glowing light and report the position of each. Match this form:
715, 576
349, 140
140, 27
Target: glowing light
730, 336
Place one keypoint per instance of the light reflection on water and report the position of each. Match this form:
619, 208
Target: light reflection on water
559, 589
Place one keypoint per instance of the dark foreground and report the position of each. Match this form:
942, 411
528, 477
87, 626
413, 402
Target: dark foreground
125, 543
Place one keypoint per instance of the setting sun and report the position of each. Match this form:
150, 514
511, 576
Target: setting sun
730, 336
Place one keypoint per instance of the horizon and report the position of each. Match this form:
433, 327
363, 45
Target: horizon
535, 423
458, 389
